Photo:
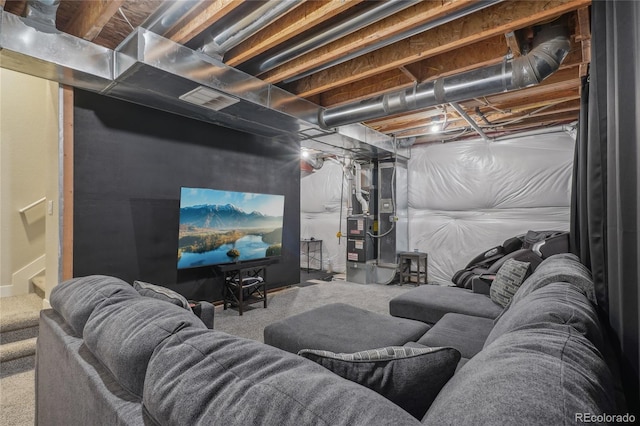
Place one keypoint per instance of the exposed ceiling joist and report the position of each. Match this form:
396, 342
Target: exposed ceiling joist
308, 15
408, 18
201, 18
490, 22
91, 17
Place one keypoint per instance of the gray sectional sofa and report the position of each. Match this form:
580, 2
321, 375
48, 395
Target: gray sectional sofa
107, 355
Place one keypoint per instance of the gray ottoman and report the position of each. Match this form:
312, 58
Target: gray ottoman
341, 328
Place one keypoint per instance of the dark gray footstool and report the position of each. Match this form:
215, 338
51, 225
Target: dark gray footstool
341, 328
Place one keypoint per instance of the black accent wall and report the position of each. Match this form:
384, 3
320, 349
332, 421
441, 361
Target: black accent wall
130, 162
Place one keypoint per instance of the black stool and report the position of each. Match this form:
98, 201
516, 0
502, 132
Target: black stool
405, 259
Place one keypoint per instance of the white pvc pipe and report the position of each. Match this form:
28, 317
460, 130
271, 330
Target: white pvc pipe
359, 197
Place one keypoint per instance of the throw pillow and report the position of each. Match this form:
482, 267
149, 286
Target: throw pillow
407, 376
508, 279
161, 293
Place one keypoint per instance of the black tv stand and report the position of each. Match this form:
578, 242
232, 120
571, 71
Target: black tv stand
245, 283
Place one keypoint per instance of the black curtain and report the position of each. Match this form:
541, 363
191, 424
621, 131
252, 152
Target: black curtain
606, 190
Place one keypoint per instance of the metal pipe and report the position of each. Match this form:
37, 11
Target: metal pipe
469, 120
377, 12
475, 7
551, 46
167, 15
246, 26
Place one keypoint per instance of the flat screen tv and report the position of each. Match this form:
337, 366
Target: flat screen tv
226, 226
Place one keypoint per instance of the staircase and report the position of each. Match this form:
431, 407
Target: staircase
19, 317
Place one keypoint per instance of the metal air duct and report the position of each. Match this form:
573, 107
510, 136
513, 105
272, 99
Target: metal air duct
41, 14
151, 70
551, 46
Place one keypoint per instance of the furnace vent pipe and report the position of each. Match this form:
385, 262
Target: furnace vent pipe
551, 46
41, 14
358, 182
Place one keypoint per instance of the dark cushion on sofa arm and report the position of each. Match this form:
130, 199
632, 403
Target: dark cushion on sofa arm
482, 283
205, 311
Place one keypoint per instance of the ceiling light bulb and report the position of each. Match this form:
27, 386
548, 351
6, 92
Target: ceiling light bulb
435, 128
305, 154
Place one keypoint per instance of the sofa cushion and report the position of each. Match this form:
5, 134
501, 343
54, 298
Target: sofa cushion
210, 377
464, 332
533, 376
123, 336
508, 279
339, 327
429, 303
558, 303
409, 377
563, 267
76, 298
161, 293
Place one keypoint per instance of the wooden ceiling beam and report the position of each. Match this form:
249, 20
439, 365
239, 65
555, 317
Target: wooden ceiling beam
405, 125
548, 120
512, 43
91, 17
408, 18
458, 126
583, 36
16, 7
201, 18
495, 20
302, 18
558, 106
534, 100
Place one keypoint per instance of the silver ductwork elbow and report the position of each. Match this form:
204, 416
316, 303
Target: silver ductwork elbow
41, 14
551, 46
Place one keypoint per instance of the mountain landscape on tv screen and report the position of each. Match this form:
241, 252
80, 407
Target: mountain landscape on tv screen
221, 233
225, 216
